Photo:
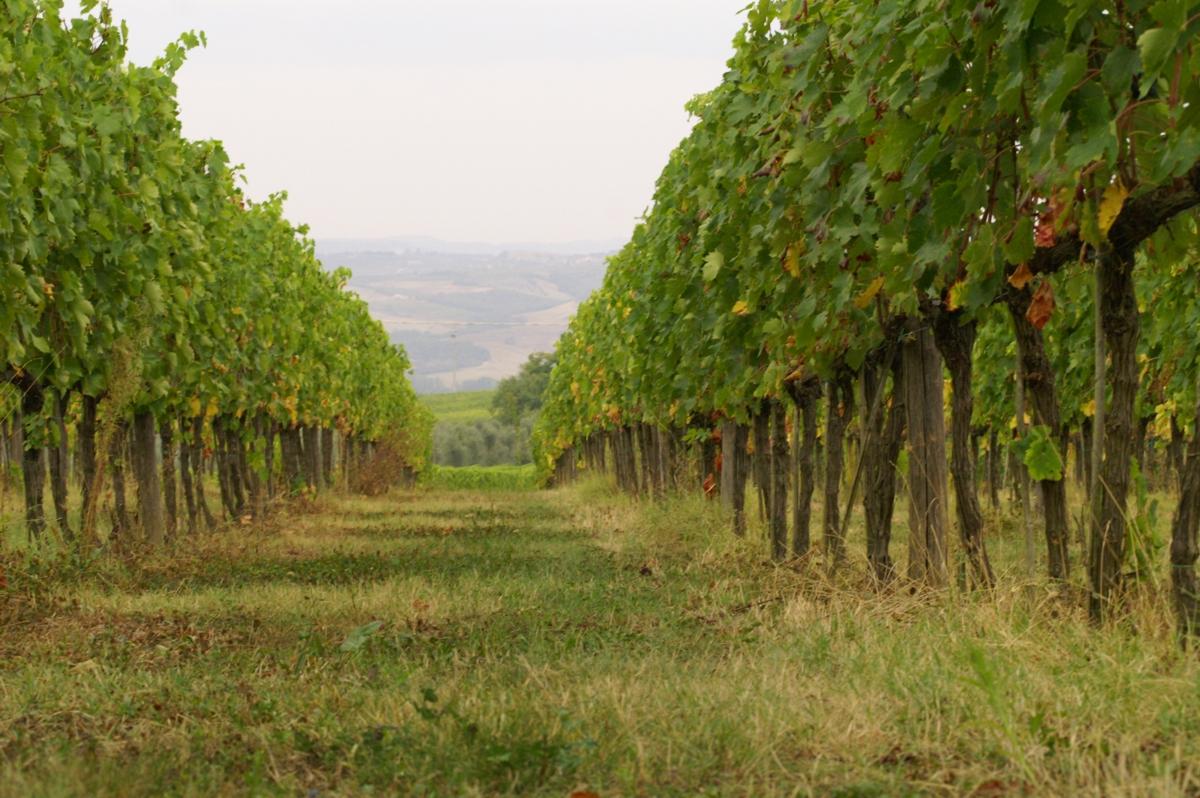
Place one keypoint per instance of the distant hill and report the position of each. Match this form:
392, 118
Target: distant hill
333, 246
433, 386
467, 318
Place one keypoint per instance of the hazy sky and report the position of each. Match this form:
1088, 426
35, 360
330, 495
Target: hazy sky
469, 120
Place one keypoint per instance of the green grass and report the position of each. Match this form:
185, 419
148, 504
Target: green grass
503, 477
460, 408
13, 531
492, 643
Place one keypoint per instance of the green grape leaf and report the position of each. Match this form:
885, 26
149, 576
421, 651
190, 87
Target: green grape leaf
1155, 46
360, 637
713, 265
1020, 246
1039, 454
1119, 68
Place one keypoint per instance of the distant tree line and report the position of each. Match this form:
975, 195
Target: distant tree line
504, 438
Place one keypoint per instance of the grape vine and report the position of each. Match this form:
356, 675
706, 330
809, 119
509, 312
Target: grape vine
880, 195
153, 314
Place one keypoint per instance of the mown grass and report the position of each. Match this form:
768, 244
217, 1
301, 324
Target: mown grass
460, 408
492, 643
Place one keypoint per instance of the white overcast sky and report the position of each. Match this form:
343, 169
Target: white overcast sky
469, 120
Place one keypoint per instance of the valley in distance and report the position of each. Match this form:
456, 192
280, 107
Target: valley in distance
469, 314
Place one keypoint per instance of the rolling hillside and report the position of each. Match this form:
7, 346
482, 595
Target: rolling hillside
469, 319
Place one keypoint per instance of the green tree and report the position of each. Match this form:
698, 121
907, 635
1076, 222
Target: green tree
522, 395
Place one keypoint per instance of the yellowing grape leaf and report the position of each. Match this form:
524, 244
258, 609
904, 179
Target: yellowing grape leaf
1021, 277
955, 299
194, 407
791, 262
1161, 428
1089, 409
741, 308
867, 297
1111, 206
1012, 422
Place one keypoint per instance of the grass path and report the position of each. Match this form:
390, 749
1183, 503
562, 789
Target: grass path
453, 643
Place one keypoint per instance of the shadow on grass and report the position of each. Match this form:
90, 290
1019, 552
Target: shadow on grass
469, 529
345, 568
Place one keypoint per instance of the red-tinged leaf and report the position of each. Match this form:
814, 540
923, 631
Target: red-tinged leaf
710, 486
1046, 236
1042, 307
584, 794
1021, 277
1048, 224
993, 789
